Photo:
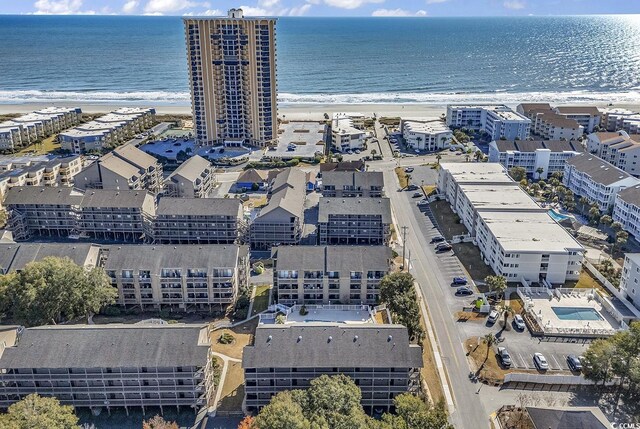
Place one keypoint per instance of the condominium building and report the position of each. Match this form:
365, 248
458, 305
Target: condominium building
548, 155
36, 172
198, 220
553, 126
588, 117
378, 358
619, 148
126, 167
352, 184
515, 236
15, 256
109, 366
107, 131
358, 165
498, 121
595, 179
194, 178
630, 278
621, 119
426, 134
329, 274
45, 211
117, 215
347, 131
232, 72
528, 246
185, 276
626, 210
349, 221
29, 128
454, 174
282, 219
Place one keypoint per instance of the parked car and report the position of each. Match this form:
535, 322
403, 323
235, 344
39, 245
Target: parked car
493, 317
574, 363
412, 188
519, 322
437, 239
443, 247
505, 357
540, 361
417, 195
409, 170
357, 151
460, 280
464, 291
423, 202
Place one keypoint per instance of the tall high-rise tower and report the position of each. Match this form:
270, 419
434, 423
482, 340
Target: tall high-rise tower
232, 70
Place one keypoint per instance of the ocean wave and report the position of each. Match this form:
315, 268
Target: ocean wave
182, 98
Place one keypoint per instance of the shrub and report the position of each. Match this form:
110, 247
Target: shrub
112, 311
280, 319
242, 302
303, 310
226, 338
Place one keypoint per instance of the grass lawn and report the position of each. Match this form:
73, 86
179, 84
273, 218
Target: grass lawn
261, 299
489, 369
470, 316
447, 219
243, 335
48, 145
429, 372
469, 256
256, 202
233, 389
402, 177
587, 281
428, 189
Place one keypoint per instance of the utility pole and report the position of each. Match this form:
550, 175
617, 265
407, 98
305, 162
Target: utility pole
404, 244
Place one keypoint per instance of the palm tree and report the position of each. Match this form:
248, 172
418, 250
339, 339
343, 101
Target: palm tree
583, 202
506, 312
467, 157
373, 152
539, 170
438, 158
489, 340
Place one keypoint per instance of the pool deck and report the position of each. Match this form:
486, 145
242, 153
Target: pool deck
542, 308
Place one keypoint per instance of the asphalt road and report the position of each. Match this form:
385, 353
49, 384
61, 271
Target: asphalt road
427, 269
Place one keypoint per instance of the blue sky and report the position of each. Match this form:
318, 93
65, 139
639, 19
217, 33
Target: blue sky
325, 7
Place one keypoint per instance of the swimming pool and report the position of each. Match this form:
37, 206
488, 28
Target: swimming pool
576, 313
557, 216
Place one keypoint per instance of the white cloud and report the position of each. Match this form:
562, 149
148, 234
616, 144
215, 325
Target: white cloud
268, 3
514, 4
350, 4
130, 6
60, 7
436, 1
164, 6
255, 11
208, 12
300, 10
398, 12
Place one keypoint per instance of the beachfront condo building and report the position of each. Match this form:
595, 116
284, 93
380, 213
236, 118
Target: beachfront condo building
232, 72
498, 121
426, 134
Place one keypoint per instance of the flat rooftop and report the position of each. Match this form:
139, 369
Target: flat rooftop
307, 136
478, 172
429, 126
502, 197
528, 232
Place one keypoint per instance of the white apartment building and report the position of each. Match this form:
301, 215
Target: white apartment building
528, 246
552, 126
515, 236
589, 117
345, 134
454, 174
26, 129
426, 134
498, 121
108, 130
232, 71
626, 210
595, 179
630, 279
619, 148
621, 119
549, 155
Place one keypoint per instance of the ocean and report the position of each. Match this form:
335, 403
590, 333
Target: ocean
94, 59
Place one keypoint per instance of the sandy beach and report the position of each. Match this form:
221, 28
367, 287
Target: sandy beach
285, 110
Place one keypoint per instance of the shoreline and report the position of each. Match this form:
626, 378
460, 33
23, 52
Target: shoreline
295, 111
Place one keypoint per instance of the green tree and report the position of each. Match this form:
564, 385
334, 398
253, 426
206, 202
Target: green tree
496, 283
616, 226
398, 293
54, 290
157, 422
36, 412
438, 158
606, 220
594, 215
489, 340
506, 311
539, 170
414, 413
517, 173
583, 203
621, 238
282, 412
